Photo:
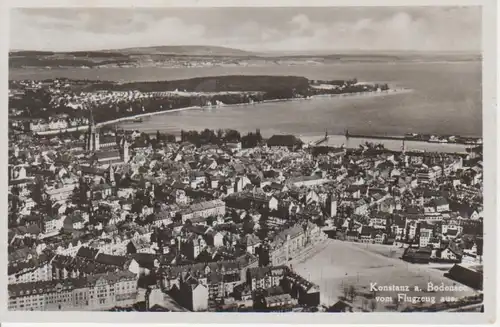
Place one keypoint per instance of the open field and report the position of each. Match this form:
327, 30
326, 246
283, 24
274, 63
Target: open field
340, 264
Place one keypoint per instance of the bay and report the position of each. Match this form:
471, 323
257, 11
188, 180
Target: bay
446, 99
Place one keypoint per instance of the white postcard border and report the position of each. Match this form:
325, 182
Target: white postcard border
490, 182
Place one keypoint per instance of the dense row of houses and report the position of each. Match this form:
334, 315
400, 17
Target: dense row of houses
218, 225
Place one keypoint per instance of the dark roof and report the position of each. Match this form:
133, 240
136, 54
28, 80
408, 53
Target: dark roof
107, 154
87, 252
196, 229
61, 261
261, 272
470, 276
439, 201
426, 252
92, 170
16, 267
367, 230
112, 260
340, 306
275, 290
145, 260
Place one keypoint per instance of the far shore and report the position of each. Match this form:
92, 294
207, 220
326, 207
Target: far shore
343, 95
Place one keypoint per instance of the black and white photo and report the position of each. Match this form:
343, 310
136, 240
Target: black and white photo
248, 159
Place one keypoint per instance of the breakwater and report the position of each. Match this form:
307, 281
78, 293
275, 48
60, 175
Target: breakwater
393, 144
413, 139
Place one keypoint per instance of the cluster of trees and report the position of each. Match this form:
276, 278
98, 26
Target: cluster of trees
230, 83
80, 194
251, 140
164, 137
350, 88
127, 108
338, 82
208, 136
42, 202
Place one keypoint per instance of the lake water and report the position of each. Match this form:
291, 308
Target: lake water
446, 99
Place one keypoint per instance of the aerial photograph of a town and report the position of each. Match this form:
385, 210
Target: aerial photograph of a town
245, 160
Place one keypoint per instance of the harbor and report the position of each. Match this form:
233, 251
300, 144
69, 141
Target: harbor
392, 143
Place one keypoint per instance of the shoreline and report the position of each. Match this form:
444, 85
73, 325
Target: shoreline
26, 70
342, 95
118, 120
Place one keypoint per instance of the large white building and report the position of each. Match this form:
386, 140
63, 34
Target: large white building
96, 292
204, 209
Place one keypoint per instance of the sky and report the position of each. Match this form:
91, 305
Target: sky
253, 29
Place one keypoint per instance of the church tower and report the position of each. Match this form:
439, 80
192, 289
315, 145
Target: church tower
112, 175
126, 157
97, 144
92, 135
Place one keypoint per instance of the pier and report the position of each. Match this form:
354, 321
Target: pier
397, 144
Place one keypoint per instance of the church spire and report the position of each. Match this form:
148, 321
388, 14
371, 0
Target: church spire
93, 134
91, 119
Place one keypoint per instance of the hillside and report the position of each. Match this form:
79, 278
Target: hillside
211, 84
202, 56
187, 50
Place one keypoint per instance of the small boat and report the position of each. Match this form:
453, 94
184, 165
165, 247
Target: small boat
138, 120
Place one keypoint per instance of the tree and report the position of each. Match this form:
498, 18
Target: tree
417, 234
251, 140
16, 190
388, 226
352, 292
320, 221
264, 226
232, 136
136, 206
396, 302
248, 225
220, 134
345, 290
351, 224
364, 304
208, 136
338, 223
235, 217
170, 138
407, 234
264, 257
37, 192
154, 237
49, 207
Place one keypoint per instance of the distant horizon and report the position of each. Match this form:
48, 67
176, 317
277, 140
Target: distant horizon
318, 52
253, 29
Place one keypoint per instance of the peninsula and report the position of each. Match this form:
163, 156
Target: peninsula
40, 106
